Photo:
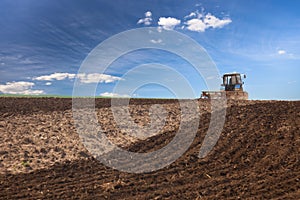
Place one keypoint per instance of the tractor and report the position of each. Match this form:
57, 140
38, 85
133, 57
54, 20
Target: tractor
232, 87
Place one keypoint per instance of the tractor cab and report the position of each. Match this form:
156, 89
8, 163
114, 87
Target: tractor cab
233, 82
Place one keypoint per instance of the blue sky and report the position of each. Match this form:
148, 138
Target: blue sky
43, 43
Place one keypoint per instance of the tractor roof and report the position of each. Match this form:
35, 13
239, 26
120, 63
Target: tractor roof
232, 74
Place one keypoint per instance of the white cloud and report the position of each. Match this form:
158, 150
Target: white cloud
168, 23
20, 87
281, 52
95, 78
214, 22
110, 94
196, 25
156, 41
192, 14
147, 20
48, 83
201, 23
148, 14
195, 14
83, 78
55, 76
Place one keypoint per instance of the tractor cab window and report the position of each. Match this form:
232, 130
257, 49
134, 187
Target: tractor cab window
232, 80
226, 80
238, 79
229, 80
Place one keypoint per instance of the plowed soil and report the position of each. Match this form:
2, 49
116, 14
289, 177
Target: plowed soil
256, 157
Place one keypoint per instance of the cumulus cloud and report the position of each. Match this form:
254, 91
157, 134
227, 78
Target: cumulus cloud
281, 52
110, 94
168, 23
147, 20
95, 78
201, 22
83, 78
20, 87
55, 76
214, 22
48, 83
196, 25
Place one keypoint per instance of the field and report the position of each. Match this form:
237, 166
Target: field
256, 157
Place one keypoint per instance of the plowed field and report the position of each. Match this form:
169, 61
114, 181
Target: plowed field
256, 157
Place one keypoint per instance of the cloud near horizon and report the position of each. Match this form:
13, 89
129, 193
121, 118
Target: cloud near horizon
95, 78
20, 87
55, 76
111, 94
25, 88
83, 78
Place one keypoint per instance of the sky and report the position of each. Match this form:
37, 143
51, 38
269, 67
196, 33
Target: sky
43, 45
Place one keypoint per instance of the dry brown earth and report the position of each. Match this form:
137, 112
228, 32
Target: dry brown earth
256, 157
